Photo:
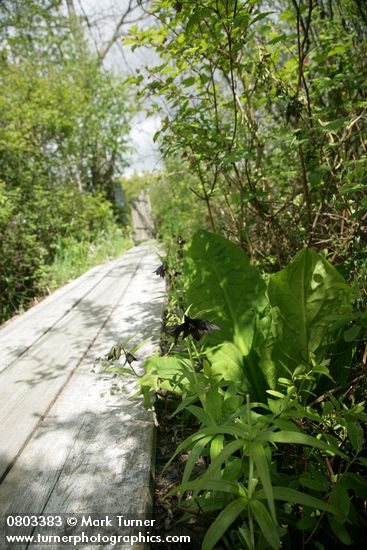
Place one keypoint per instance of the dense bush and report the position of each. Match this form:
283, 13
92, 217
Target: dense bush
266, 107
22, 258
31, 236
64, 122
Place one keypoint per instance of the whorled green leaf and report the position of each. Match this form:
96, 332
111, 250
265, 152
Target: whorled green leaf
211, 473
223, 522
202, 415
257, 453
287, 494
298, 439
229, 429
184, 404
234, 467
195, 453
217, 485
213, 403
216, 447
266, 523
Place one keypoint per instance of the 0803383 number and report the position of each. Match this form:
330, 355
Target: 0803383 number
33, 521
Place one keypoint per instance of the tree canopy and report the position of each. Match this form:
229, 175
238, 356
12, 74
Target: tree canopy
266, 105
63, 141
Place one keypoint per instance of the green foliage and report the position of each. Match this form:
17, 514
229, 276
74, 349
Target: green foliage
62, 123
21, 258
62, 142
303, 297
284, 461
267, 110
62, 224
223, 284
177, 212
73, 258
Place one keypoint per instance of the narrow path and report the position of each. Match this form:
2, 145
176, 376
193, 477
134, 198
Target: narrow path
63, 447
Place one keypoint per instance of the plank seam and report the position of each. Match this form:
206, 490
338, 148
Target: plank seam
58, 320
55, 482
71, 374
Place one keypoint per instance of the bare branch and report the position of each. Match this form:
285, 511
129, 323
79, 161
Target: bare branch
117, 32
89, 24
71, 8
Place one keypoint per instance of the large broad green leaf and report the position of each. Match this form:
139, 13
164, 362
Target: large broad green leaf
303, 296
224, 288
227, 363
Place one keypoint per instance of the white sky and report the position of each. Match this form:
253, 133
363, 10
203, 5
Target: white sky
104, 15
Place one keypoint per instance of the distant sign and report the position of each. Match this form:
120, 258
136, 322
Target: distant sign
119, 194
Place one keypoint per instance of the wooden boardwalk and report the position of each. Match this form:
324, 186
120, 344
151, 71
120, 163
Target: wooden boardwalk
63, 447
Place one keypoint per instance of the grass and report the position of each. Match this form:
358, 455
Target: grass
75, 258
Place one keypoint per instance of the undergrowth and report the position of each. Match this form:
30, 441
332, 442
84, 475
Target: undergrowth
73, 258
264, 376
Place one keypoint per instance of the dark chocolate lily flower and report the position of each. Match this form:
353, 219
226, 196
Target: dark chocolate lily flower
194, 327
161, 270
129, 358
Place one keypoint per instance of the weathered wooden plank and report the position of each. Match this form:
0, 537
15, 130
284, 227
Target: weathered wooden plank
93, 454
29, 387
20, 334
